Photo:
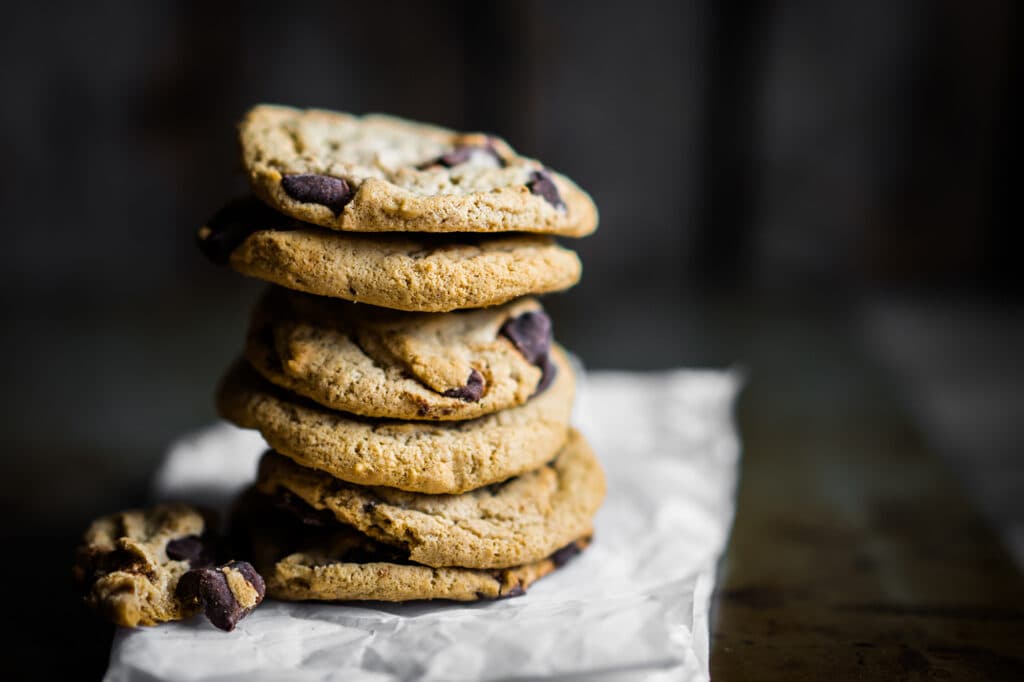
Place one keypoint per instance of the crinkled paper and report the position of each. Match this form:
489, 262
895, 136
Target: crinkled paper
633, 606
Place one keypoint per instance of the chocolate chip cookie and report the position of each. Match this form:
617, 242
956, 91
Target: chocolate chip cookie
306, 554
147, 566
417, 272
384, 174
520, 521
342, 569
426, 457
399, 365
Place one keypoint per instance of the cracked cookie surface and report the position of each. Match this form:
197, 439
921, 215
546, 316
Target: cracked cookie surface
522, 520
399, 365
427, 457
384, 174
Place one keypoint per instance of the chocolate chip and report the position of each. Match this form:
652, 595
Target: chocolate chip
209, 588
461, 155
542, 185
368, 507
562, 556
230, 226
334, 193
548, 373
471, 392
531, 334
191, 549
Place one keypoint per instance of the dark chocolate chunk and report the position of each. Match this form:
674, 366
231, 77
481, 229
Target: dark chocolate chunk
334, 193
191, 549
542, 185
562, 556
531, 333
208, 588
232, 224
471, 392
461, 155
548, 373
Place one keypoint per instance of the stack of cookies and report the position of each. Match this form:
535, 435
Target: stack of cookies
401, 370
400, 367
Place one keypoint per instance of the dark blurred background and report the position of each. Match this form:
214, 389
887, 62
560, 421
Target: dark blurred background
776, 181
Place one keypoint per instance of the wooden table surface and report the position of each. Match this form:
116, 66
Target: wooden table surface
855, 554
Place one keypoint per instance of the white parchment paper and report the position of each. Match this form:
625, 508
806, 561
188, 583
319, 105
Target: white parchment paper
633, 606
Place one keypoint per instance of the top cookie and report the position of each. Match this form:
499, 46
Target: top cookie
384, 174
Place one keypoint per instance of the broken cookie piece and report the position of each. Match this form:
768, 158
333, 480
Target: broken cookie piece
149, 566
129, 563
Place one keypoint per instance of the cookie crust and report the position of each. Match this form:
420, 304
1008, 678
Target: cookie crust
317, 574
424, 457
513, 523
408, 272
